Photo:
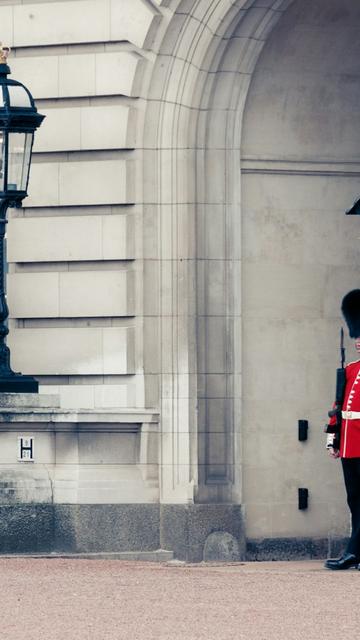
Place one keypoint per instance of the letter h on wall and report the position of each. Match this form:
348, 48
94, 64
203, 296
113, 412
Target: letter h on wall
25, 449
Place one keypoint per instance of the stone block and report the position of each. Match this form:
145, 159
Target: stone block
24, 482
296, 548
62, 239
180, 443
66, 447
41, 528
214, 329
80, 183
65, 238
60, 131
95, 293
215, 188
26, 528
118, 237
80, 75
44, 185
66, 483
93, 183
108, 448
216, 274
116, 132
76, 396
185, 528
246, 53
118, 73
33, 295
107, 527
29, 400
251, 22
118, 350
116, 483
131, 20
81, 82
52, 23
115, 395
7, 25
49, 23
76, 351
221, 547
80, 396
41, 73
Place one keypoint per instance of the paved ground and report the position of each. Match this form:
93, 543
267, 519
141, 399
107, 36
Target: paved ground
111, 600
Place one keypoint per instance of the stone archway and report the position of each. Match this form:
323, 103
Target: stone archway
192, 164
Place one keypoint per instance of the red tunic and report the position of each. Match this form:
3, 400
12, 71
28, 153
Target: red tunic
350, 425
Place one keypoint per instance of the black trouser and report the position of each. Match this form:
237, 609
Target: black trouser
351, 469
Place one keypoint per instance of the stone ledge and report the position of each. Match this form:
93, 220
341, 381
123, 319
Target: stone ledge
296, 548
70, 417
13, 401
66, 529
160, 555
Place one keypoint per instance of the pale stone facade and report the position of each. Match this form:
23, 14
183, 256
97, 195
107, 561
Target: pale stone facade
177, 269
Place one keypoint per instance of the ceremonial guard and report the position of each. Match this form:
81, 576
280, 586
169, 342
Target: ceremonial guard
343, 439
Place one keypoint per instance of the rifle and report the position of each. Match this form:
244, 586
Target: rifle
339, 397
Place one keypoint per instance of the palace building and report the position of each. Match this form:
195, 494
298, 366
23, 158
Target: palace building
175, 275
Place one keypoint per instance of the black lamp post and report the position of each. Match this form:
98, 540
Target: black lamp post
18, 121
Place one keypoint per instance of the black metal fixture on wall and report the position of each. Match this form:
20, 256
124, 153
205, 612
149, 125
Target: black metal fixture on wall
355, 209
303, 427
19, 120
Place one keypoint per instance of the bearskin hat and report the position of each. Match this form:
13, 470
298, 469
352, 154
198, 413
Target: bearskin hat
350, 308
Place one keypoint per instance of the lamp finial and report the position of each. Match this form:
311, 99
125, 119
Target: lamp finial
4, 53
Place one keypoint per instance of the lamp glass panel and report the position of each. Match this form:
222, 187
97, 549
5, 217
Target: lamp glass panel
19, 160
2, 159
18, 96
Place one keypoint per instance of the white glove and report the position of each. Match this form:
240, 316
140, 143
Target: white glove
330, 440
333, 453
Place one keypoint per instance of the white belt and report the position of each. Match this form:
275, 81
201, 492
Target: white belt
351, 415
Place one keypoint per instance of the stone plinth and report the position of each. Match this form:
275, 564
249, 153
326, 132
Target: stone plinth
91, 483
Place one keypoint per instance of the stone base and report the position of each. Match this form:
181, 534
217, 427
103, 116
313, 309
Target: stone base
97, 528
194, 533
185, 529
294, 548
86, 528
140, 556
106, 527
18, 384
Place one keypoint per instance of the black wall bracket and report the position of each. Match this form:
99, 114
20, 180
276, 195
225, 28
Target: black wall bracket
303, 427
303, 498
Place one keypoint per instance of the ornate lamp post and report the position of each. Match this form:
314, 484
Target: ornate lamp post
18, 121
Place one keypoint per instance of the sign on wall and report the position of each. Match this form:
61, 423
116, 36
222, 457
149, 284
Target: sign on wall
26, 449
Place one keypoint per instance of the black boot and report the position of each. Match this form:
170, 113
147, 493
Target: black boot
345, 562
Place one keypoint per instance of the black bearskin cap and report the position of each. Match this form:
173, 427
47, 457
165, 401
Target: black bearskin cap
350, 308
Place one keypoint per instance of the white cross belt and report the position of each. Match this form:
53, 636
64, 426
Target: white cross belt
351, 415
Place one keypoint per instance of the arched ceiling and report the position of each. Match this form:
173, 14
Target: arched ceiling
304, 99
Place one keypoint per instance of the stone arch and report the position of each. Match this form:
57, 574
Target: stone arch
191, 166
